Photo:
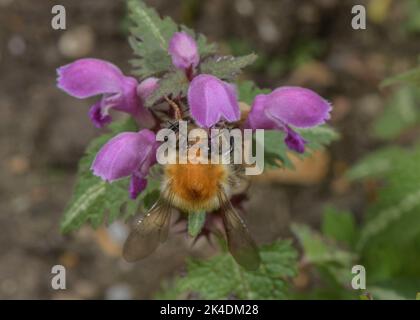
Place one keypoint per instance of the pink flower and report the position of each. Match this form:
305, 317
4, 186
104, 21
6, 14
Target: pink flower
211, 100
127, 154
184, 51
89, 77
289, 106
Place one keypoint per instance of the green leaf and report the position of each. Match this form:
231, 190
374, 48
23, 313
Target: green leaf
94, 200
221, 277
277, 154
227, 67
385, 293
149, 40
339, 225
412, 19
409, 77
318, 250
376, 164
318, 138
389, 242
247, 90
275, 150
173, 84
330, 259
86, 205
397, 208
395, 288
400, 113
196, 222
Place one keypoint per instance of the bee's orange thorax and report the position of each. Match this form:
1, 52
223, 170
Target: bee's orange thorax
194, 187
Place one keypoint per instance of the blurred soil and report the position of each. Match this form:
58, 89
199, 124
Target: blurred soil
44, 131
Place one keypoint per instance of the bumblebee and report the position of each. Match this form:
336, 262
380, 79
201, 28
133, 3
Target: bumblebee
191, 188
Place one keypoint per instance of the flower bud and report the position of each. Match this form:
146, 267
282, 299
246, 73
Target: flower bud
183, 50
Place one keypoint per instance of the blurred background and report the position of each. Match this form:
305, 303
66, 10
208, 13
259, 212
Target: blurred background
44, 131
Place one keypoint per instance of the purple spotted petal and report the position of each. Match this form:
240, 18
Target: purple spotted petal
125, 154
295, 106
294, 141
211, 100
137, 185
183, 50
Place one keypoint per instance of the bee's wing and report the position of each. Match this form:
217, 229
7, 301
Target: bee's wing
148, 232
240, 243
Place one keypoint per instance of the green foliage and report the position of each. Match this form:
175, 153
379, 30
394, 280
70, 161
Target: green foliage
196, 222
333, 261
172, 84
247, 90
275, 150
397, 201
221, 277
376, 164
149, 40
389, 240
319, 249
318, 138
410, 77
276, 153
340, 226
412, 22
400, 113
228, 67
303, 50
94, 200
387, 243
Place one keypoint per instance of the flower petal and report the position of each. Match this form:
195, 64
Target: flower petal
183, 50
127, 100
137, 185
296, 106
299, 107
146, 87
294, 141
89, 77
257, 118
211, 99
97, 116
125, 154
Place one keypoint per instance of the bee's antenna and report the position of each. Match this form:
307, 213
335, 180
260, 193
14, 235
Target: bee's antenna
175, 107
